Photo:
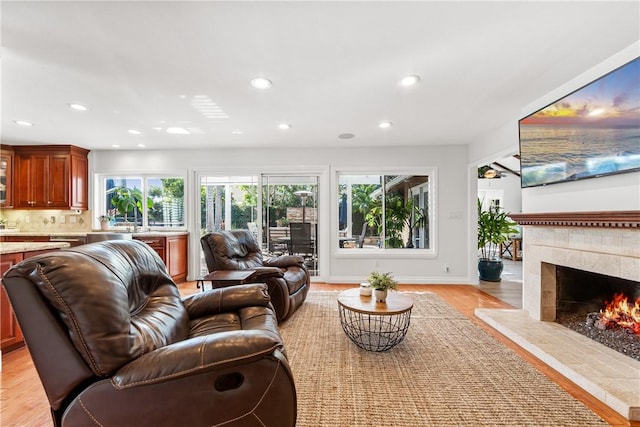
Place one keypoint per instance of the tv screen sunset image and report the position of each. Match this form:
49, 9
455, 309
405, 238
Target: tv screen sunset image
594, 131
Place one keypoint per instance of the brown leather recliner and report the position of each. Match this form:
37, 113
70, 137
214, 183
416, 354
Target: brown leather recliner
287, 276
114, 344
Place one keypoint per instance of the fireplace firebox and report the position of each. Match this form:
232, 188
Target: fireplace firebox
582, 292
581, 296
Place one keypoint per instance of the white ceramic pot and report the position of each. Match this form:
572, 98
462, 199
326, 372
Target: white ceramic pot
380, 295
365, 289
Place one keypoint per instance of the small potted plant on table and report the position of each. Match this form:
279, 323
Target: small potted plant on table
105, 221
381, 283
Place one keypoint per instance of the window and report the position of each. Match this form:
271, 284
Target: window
379, 212
135, 201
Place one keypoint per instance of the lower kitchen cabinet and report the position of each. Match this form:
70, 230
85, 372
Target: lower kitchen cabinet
173, 251
176, 252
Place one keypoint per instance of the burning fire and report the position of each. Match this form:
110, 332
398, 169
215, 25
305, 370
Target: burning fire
620, 312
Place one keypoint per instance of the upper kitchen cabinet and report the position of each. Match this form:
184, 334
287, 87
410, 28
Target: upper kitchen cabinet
51, 176
6, 176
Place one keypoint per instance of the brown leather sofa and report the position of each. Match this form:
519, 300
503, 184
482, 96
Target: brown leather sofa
114, 344
286, 276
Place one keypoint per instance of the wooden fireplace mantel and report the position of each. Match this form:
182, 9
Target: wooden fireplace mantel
615, 219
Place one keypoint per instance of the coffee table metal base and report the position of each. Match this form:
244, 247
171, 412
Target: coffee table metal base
374, 332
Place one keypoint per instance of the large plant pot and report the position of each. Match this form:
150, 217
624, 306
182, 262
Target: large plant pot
490, 269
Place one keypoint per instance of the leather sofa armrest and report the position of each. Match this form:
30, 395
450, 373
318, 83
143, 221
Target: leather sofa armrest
283, 261
226, 299
205, 353
266, 273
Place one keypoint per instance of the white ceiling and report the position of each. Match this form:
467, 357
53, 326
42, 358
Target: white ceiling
335, 68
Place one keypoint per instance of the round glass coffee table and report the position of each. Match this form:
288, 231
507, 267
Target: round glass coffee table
371, 325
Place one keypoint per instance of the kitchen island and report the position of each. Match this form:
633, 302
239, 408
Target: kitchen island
171, 246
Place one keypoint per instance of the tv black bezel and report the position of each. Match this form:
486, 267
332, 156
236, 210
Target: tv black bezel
579, 178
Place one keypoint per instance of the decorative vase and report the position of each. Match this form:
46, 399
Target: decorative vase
490, 269
380, 295
104, 225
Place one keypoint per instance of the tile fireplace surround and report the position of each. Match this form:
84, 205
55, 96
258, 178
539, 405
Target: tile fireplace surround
601, 242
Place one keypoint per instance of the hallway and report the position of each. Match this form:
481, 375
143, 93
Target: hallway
509, 289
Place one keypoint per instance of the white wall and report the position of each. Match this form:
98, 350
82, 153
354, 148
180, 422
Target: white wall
451, 215
510, 187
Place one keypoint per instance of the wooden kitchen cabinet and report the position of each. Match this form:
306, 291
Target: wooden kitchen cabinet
176, 261
158, 244
50, 176
6, 176
10, 334
172, 251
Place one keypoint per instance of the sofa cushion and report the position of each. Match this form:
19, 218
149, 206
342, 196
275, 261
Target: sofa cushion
231, 250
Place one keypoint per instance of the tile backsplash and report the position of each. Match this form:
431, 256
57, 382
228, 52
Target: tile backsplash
47, 220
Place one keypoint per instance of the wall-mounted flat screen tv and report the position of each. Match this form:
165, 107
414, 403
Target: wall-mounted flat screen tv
592, 132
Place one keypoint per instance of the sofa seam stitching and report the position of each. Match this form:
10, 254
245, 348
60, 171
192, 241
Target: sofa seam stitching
176, 374
71, 316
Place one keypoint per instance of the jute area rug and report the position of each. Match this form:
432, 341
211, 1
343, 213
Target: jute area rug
446, 372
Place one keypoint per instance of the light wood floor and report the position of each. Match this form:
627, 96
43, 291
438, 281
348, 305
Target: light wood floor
24, 403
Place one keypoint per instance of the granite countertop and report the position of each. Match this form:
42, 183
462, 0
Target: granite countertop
16, 247
10, 232
153, 233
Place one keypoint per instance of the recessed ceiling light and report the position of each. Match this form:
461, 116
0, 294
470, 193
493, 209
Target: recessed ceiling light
23, 123
236, 132
141, 145
410, 80
134, 132
177, 131
115, 145
284, 126
346, 136
261, 83
78, 107
385, 125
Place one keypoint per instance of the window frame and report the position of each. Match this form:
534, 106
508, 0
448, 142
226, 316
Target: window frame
405, 253
101, 207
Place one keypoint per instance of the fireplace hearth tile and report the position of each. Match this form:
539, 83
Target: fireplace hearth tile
608, 375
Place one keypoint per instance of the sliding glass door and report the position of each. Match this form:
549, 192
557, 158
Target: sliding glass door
283, 216
290, 216
228, 203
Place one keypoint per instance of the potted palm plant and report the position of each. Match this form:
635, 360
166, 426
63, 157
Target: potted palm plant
494, 228
381, 283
